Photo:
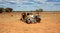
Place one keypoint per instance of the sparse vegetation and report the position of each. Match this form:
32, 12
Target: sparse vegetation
5, 10
39, 10
8, 9
1, 10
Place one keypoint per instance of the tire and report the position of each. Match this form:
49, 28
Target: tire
1, 11
38, 20
28, 22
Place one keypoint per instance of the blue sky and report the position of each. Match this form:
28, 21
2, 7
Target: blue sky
31, 5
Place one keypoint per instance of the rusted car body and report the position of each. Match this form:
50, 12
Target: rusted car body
30, 18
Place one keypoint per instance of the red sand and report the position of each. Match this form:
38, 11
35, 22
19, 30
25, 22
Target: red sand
50, 23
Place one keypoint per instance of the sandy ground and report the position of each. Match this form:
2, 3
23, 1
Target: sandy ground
10, 23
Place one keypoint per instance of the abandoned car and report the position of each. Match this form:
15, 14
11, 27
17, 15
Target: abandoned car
30, 18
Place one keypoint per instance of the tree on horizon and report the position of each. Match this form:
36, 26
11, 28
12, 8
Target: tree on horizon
8, 9
1, 9
39, 10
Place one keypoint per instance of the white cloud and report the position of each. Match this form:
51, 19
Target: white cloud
40, 0
29, 4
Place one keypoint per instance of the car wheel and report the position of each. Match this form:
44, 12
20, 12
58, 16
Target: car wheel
28, 22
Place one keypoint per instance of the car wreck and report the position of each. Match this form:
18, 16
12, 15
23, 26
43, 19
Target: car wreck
30, 18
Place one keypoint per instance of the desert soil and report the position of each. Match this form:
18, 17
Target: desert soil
11, 23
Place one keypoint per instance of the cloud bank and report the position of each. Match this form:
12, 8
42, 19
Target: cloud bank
28, 5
